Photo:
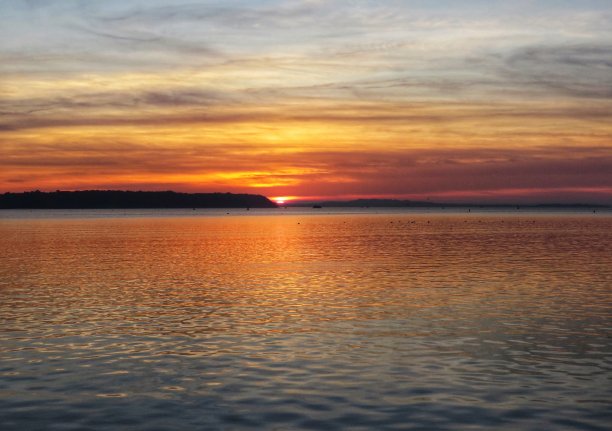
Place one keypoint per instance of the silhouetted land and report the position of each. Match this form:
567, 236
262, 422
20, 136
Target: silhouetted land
127, 199
396, 203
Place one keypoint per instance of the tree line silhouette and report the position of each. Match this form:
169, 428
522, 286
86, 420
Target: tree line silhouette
129, 199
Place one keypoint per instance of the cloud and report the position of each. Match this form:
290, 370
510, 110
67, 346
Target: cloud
344, 97
582, 71
201, 107
348, 172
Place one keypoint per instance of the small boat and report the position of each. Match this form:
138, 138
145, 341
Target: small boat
317, 206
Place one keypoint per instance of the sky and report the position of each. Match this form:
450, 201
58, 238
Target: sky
454, 101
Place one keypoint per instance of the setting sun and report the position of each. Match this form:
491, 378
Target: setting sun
282, 200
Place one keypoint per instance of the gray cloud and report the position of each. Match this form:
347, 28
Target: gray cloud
583, 71
200, 107
128, 100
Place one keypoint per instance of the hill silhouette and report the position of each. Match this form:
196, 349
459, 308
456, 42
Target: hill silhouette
106, 199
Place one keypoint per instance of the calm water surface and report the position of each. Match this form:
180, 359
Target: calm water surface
303, 320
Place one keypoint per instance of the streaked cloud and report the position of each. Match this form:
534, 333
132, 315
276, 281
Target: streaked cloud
308, 98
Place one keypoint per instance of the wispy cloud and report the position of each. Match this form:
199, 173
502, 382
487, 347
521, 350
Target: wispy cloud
347, 97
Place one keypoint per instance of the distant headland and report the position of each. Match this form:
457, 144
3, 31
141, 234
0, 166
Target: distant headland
397, 203
107, 199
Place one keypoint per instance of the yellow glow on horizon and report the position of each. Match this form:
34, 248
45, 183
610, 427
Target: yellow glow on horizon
283, 199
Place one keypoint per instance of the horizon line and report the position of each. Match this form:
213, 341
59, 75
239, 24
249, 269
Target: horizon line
306, 201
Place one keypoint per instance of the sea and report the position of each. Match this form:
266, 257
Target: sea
305, 319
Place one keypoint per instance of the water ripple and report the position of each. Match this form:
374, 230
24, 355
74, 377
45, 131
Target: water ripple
332, 322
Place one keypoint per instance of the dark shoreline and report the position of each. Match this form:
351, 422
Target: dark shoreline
113, 199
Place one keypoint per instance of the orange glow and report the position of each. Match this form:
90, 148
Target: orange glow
282, 200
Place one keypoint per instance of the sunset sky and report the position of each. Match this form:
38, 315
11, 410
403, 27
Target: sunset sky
478, 100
